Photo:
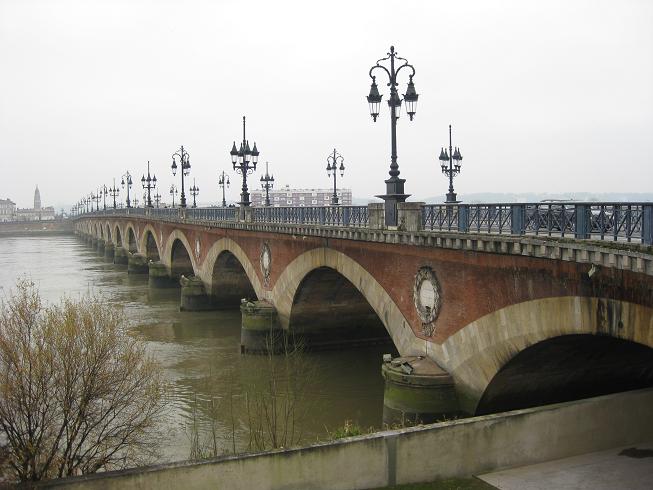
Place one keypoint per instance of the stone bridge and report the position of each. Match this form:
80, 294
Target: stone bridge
482, 322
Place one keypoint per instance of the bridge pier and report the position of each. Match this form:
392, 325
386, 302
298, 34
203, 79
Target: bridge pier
159, 277
417, 391
120, 256
93, 242
137, 264
260, 331
100, 246
194, 296
109, 250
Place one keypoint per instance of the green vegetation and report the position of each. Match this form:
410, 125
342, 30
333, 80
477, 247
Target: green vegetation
77, 394
448, 484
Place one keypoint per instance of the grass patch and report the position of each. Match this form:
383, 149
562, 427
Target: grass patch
448, 484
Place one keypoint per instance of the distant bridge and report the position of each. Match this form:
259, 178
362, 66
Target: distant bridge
520, 304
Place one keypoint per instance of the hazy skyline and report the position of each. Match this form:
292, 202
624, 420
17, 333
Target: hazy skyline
543, 96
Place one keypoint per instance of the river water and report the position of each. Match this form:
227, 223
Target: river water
199, 352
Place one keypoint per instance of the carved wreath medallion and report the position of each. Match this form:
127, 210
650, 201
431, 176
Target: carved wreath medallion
426, 294
266, 262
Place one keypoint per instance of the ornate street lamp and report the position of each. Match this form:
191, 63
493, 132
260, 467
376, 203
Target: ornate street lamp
113, 192
240, 160
267, 183
157, 199
184, 162
332, 166
96, 198
104, 193
194, 191
449, 168
148, 183
173, 193
223, 181
394, 185
127, 181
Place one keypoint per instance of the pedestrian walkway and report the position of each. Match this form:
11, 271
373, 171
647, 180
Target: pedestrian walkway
627, 468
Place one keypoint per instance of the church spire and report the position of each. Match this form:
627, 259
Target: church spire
37, 198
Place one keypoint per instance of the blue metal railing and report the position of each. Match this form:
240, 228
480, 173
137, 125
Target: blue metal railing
212, 214
348, 216
616, 221
580, 220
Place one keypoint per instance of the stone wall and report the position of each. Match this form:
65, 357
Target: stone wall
63, 227
448, 449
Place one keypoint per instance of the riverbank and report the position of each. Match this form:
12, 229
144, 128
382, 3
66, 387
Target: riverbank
36, 228
431, 453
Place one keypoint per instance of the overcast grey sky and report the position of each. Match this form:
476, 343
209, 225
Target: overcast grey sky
546, 96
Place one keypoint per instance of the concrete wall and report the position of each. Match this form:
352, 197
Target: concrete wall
36, 228
448, 449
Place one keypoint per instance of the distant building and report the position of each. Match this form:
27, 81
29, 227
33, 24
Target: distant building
7, 210
286, 196
37, 213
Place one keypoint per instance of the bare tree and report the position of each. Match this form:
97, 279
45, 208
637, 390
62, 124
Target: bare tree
77, 393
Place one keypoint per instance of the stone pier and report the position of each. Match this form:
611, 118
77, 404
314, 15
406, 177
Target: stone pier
137, 264
194, 296
120, 256
260, 331
109, 250
159, 277
417, 391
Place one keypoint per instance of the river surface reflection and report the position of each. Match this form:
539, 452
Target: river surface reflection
199, 351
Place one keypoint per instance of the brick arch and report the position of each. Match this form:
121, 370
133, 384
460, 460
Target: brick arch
118, 235
476, 353
126, 228
107, 228
166, 258
228, 245
142, 242
287, 284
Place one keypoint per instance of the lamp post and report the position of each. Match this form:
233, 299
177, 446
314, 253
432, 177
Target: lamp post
240, 160
148, 183
113, 192
223, 180
173, 193
449, 168
96, 198
157, 199
194, 191
267, 183
394, 185
104, 192
184, 162
127, 181
332, 166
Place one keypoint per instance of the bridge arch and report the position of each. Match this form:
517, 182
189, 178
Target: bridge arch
286, 286
107, 232
132, 243
149, 244
225, 264
178, 255
328, 308
118, 236
478, 352
566, 368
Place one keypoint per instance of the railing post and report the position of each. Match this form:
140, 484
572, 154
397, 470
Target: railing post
322, 212
463, 218
346, 215
582, 224
647, 224
409, 216
376, 216
517, 225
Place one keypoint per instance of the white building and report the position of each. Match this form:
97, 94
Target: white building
7, 210
286, 196
37, 213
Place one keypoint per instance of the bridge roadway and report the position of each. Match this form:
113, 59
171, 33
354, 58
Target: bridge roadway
489, 307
